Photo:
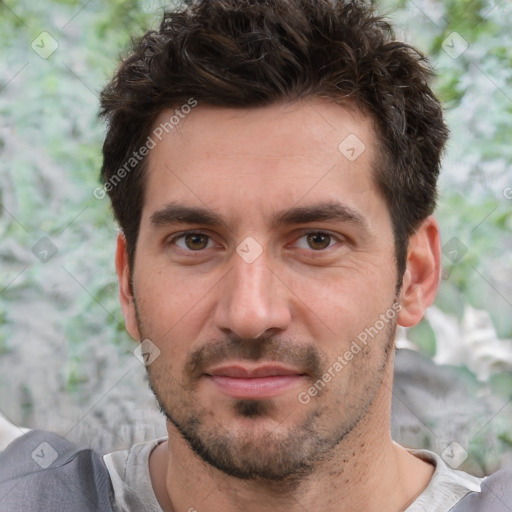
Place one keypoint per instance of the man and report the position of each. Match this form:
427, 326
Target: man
273, 167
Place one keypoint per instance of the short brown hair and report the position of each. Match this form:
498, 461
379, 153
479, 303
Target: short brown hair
250, 53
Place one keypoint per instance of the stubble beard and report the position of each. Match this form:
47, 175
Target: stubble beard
275, 455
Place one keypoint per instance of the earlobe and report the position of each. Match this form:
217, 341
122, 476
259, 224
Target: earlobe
125, 288
422, 276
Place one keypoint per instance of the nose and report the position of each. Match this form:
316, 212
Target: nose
252, 300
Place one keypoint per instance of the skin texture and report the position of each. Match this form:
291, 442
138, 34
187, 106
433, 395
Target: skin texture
295, 295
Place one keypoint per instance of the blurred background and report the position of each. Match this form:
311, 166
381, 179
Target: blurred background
66, 362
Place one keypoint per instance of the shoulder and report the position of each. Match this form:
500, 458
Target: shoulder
457, 491
41, 471
495, 494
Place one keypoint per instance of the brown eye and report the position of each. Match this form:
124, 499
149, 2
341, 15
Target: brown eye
196, 241
318, 241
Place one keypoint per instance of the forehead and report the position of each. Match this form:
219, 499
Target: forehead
283, 153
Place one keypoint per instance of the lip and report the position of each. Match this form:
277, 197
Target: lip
259, 382
247, 372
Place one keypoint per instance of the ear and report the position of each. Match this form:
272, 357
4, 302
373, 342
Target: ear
423, 273
125, 289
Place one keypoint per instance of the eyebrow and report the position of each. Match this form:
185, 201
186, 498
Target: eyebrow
174, 213
321, 212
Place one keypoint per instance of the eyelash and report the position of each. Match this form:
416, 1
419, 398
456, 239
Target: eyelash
333, 239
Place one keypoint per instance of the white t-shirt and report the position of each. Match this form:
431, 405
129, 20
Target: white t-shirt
131, 481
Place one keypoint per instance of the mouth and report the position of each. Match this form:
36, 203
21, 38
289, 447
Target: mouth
254, 382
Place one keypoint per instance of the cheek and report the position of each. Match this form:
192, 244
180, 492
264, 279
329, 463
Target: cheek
170, 307
344, 302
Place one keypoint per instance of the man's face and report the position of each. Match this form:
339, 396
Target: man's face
265, 250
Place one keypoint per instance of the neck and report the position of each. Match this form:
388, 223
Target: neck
366, 460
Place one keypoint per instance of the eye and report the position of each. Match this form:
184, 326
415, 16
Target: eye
316, 240
193, 241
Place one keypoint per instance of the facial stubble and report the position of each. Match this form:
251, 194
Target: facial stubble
272, 455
